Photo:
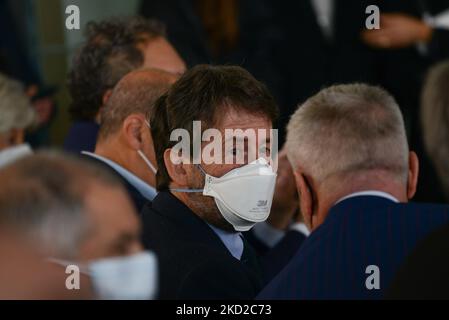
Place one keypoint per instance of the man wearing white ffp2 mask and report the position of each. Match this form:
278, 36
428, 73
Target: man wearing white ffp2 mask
194, 223
255, 180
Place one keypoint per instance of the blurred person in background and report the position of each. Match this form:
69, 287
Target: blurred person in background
16, 115
355, 176
25, 275
124, 142
226, 32
435, 120
18, 60
113, 48
327, 40
413, 35
75, 213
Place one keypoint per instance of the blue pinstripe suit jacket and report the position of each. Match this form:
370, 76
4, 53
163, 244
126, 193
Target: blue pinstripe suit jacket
358, 232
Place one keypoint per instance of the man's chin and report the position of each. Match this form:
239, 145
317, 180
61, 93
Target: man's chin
222, 224
206, 209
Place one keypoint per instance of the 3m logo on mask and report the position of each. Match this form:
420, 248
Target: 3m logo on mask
262, 203
235, 146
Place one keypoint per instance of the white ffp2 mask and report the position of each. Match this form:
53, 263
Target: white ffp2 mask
244, 195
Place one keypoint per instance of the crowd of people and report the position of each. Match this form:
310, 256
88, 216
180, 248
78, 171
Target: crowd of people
122, 212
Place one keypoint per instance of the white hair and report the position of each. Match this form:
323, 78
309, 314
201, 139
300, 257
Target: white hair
15, 107
346, 129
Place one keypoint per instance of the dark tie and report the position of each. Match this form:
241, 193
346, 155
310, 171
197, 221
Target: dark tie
250, 259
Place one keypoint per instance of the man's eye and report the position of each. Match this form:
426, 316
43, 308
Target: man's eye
235, 152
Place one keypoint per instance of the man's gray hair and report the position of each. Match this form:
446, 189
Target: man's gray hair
43, 196
16, 111
435, 120
345, 129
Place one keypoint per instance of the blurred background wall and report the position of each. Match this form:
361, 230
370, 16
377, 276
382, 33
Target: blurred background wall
55, 45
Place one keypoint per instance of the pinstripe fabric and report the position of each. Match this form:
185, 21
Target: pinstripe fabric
358, 232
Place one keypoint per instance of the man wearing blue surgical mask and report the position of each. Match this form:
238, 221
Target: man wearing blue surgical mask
79, 217
124, 144
195, 222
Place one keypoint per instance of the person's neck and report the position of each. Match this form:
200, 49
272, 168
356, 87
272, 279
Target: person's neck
116, 155
130, 161
332, 191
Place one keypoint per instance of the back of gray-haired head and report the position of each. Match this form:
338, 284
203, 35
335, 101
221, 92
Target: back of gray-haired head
15, 107
435, 120
347, 129
43, 196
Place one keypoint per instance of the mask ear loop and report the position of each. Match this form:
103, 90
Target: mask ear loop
149, 164
201, 169
144, 158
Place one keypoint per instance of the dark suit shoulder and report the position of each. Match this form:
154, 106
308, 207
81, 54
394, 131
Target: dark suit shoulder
194, 263
359, 232
206, 273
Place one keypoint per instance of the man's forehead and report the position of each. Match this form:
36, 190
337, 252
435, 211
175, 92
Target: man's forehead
233, 119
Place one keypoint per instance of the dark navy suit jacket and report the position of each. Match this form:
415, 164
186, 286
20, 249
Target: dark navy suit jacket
136, 197
82, 136
273, 260
358, 232
193, 261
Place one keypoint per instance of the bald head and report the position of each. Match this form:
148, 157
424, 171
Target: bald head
136, 93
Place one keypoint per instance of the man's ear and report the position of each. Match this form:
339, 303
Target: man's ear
176, 171
305, 198
413, 173
132, 131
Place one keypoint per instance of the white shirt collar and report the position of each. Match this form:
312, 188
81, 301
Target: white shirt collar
14, 153
145, 189
373, 193
232, 240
